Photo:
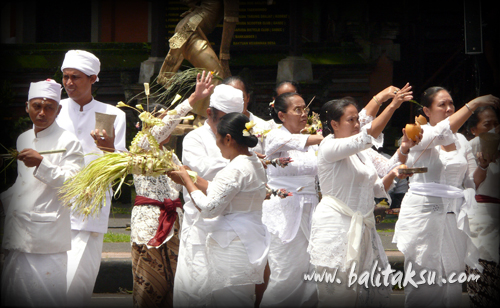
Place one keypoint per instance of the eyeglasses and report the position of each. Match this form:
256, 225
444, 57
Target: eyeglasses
300, 110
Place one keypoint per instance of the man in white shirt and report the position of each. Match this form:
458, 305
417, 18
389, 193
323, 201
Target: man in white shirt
37, 225
201, 154
80, 71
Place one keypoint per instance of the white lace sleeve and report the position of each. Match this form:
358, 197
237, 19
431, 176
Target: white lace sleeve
440, 134
220, 192
382, 164
364, 118
282, 140
171, 121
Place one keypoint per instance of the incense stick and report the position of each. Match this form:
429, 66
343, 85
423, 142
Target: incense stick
311, 101
423, 151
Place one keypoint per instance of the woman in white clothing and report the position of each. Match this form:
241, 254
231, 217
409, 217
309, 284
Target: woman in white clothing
157, 212
343, 236
432, 228
485, 221
237, 241
288, 220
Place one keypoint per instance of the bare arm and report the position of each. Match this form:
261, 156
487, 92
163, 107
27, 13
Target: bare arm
462, 115
381, 121
376, 102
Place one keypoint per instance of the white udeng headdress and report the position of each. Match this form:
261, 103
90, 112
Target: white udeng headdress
48, 89
83, 61
227, 99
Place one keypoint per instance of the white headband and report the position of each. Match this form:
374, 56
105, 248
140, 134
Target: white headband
83, 61
227, 99
48, 89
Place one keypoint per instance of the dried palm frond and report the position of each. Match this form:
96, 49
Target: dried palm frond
86, 191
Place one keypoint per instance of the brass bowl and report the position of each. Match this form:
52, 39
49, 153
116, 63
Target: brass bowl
413, 170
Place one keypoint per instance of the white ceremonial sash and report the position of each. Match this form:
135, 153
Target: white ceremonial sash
436, 190
355, 233
447, 191
461, 210
292, 183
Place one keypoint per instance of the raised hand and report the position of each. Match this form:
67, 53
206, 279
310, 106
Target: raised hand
485, 100
403, 95
392, 92
203, 88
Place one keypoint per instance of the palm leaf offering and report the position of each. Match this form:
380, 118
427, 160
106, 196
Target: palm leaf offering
313, 125
12, 154
86, 191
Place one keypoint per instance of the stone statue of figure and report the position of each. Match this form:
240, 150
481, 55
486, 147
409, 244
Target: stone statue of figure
190, 42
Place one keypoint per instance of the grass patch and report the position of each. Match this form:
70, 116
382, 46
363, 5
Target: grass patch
389, 220
112, 237
385, 230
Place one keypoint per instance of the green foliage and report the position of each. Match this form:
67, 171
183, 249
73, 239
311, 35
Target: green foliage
112, 237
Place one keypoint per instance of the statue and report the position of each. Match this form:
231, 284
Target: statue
190, 42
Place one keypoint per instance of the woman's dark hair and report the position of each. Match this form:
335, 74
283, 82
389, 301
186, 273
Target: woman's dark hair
295, 84
427, 98
334, 110
474, 118
280, 104
233, 124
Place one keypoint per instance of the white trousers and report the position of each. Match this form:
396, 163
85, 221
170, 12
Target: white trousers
84, 260
288, 264
34, 280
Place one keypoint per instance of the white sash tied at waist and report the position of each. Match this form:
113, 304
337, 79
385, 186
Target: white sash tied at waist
447, 191
355, 234
291, 183
436, 190
461, 209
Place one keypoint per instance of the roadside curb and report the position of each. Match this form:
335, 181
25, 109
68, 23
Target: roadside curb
115, 273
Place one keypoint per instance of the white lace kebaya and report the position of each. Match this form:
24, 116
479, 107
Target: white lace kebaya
144, 219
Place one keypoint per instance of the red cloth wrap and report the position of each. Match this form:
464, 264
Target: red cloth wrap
487, 199
168, 215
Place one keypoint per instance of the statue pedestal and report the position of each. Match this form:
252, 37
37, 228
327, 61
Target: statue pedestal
150, 68
294, 68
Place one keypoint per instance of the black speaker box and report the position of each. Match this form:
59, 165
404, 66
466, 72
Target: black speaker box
473, 27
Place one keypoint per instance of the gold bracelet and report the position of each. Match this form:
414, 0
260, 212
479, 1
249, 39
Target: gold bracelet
376, 100
467, 105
